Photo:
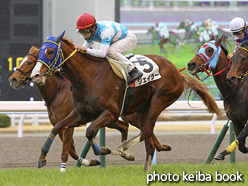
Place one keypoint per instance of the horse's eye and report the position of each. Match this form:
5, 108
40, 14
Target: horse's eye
210, 50
243, 59
30, 63
50, 52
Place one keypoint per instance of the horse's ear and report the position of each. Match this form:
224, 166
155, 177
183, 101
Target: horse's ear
218, 42
58, 38
48, 36
212, 38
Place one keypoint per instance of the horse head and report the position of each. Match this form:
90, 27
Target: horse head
239, 68
150, 30
21, 75
50, 59
206, 57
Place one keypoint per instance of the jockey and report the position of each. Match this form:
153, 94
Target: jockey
203, 34
191, 25
238, 28
211, 26
115, 39
163, 30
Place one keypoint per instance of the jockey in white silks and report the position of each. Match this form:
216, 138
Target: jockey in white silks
203, 34
212, 27
163, 30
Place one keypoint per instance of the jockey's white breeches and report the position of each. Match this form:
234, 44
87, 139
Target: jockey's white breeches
122, 46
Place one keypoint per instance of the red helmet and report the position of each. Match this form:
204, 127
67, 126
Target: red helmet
85, 21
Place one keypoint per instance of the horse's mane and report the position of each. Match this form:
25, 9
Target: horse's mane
70, 44
224, 49
244, 44
68, 41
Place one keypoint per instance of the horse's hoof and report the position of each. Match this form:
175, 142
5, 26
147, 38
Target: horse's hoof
166, 147
219, 157
123, 154
41, 164
62, 170
105, 151
94, 162
127, 156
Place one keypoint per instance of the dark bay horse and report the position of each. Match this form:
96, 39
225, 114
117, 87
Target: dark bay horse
97, 95
236, 79
235, 98
58, 97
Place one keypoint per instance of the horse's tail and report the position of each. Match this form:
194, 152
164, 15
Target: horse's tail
192, 84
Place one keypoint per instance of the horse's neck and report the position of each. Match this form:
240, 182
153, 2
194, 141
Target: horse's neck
49, 89
82, 67
220, 79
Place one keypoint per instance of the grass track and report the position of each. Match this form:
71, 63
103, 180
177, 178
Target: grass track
119, 175
178, 58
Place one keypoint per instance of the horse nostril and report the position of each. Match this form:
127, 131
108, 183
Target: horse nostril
36, 76
231, 81
14, 80
191, 66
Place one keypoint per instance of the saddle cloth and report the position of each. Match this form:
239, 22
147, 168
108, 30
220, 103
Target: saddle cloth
144, 64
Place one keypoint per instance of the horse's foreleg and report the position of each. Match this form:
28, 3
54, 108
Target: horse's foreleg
104, 119
150, 148
72, 120
240, 141
67, 140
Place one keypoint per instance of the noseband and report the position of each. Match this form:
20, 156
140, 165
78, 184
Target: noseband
242, 76
210, 62
26, 78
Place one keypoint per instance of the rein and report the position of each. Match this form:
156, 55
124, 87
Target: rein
215, 73
60, 75
26, 79
207, 60
54, 93
74, 52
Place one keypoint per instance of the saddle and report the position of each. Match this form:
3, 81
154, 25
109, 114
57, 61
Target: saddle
144, 64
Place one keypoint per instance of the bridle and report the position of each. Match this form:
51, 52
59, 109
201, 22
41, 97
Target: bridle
214, 58
242, 76
26, 78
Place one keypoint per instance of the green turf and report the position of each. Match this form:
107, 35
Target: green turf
178, 58
125, 175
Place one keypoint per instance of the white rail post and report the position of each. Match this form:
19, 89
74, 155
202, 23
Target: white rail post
36, 120
12, 120
213, 124
20, 131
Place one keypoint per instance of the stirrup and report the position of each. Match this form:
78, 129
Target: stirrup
134, 74
129, 56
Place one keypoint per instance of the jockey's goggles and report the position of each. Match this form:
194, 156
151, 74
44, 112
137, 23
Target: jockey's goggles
84, 31
238, 33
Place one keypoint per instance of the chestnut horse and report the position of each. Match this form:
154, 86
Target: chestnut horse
57, 84
213, 56
98, 93
57, 95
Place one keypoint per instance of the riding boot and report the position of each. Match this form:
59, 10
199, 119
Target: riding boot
134, 74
